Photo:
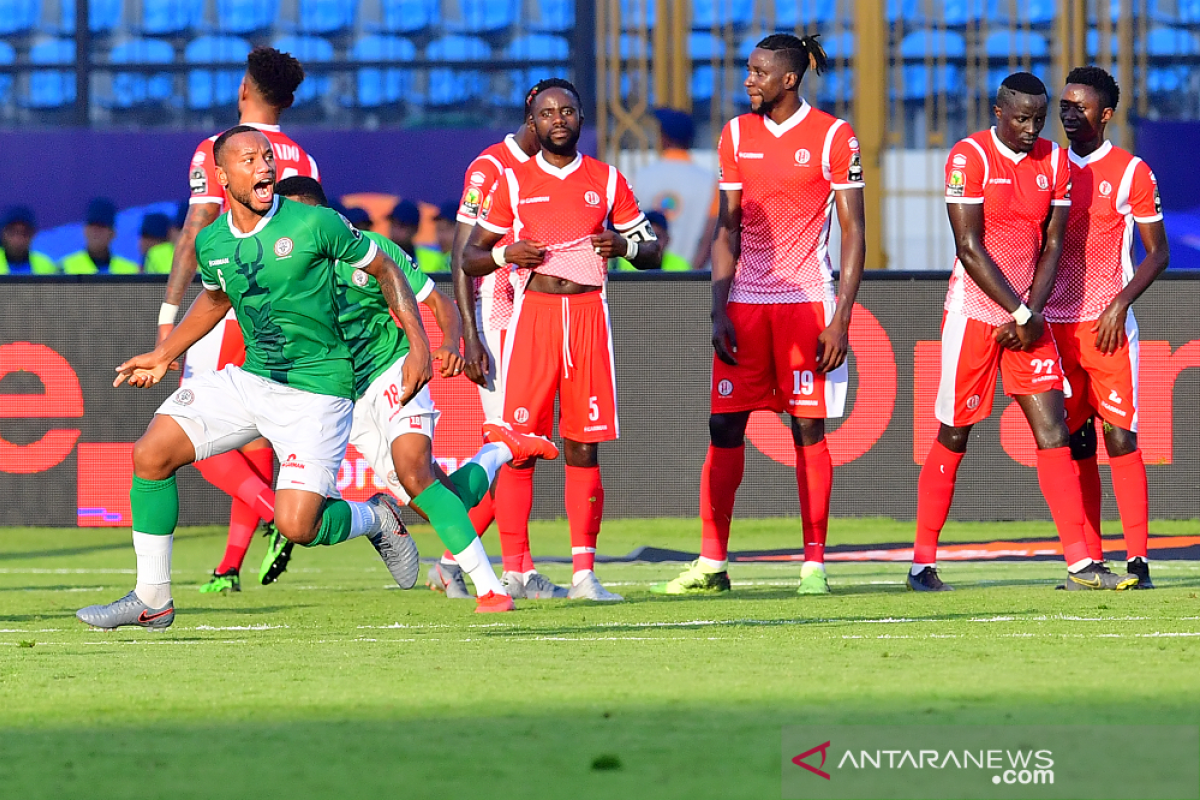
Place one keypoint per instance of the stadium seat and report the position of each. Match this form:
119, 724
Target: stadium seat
51, 89
637, 14
1114, 10
478, 16
310, 50
1093, 44
448, 86
703, 47
380, 87
934, 45
943, 76
407, 16
708, 14
104, 16
326, 17
553, 16
1163, 45
170, 17
839, 45
531, 47
19, 16
954, 13
1175, 12
804, 15
1017, 44
215, 88
1168, 42
632, 48
7, 56
246, 16
1035, 13
137, 89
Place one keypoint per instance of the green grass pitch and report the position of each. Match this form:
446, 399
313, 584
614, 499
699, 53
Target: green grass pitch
330, 684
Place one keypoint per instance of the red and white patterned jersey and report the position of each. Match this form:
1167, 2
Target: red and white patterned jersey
1017, 191
495, 291
563, 209
787, 174
290, 160
1111, 189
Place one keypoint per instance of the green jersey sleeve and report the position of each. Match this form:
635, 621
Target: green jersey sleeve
421, 284
338, 240
209, 269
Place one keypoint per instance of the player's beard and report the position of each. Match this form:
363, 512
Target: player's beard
765, 107
248, 200
567, 148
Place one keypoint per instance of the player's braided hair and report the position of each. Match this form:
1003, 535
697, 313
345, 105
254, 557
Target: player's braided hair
276, 75
549, 83
223, 139
302, 186
803, 53
1099, 79
1020, 83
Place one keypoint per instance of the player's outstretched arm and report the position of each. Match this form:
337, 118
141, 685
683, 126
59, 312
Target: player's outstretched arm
1110, 327
726, 249
833, 343
183, 263
418, 365
474, 353
451, 327
143, 371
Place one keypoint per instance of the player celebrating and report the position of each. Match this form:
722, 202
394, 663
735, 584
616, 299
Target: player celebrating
486, 305
398, 439
1008, 197
267, 89
557, 206
779, 335
273, 261
1090, 311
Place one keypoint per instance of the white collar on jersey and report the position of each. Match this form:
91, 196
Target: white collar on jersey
1005, 150
262, 223
561, 173
779, 129
262, 126
520, 155
1092, 157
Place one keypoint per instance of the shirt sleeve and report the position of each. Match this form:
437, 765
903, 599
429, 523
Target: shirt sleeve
729, 178
421, 284
845, 160
625, 211
481, 176
496, 215
209, 278
202, 177
965, 174
337, 239
1062, 180
1143, 195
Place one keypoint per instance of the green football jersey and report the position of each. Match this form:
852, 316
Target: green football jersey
280, 279
375, 340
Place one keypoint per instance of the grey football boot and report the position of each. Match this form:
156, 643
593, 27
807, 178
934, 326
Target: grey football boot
590, 588
537, 587
129, 610
448, 578
394, 545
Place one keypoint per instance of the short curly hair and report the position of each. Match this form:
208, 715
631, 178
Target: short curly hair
1099, 79
276, 75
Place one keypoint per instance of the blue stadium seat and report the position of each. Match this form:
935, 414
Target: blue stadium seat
839, 45
1114, 10
19, 16
703, 47
632, 48
1175, 12
954, 13
104, 16
407, 16
309, 49
215, 88
1016, 43
246, 16
805, 15
1165, 42
1035, 13
553, 16
531, 47
325, 17
478, 16
171, 17
935, 44
707, 14
1093, 44
7, 56
636, 14
137, 89
448, 86
379, 87
944, 76
51, 89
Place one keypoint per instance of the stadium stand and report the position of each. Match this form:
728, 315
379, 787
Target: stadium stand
479, 16
552, 16
1033, 13
637, 14
51, 89
246, 16
380, 87
721, 13
530, 47
941, 76
309, 49
104, 17
704, 47
326, 17
208, 88
170, 17
7, 56
792, 14
405, 16
448, 85
128, 90
19, 16
1166, 45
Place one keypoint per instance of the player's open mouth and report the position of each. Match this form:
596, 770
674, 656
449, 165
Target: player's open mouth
263, 190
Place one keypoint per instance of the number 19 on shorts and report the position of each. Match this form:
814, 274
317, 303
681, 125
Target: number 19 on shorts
802, 381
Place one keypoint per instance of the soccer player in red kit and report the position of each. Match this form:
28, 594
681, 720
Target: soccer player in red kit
1090, 313
486, 305
779, 331
558, 206
1008, 197
267, 89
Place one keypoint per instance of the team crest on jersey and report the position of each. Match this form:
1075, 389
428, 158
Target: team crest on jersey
725, 388
973, 402
1043, 182
1105, 188
477, 178
803, 157
199, 180
283, 247
591, 198
521, 415
957, 185
471, 200
185, 397
360, 278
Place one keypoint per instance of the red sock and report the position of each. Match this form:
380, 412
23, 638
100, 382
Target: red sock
1089, 485
233, 474
935, 494
719, 482
243, 522
514, 502
814, 481
1060, 486
584, 496
1129, 485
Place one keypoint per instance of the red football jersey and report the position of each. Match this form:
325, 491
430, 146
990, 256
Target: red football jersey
495, 291
1111, 189
787, 175
1017, 191
290, 160
563, 209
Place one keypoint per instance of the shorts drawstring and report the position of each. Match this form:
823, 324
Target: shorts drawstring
568, 362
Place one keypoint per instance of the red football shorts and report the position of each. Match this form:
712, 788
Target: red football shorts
777, 363
1100, 384
970, 358
561, 344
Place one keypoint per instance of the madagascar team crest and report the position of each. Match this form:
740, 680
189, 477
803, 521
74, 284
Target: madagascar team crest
360, 278
283, 247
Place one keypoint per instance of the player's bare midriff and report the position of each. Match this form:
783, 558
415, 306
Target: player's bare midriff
548, 284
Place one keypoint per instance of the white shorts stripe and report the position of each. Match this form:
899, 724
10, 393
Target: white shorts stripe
953, 331
836, 382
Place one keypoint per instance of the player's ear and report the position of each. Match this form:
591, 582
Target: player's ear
222, 177
1106, 115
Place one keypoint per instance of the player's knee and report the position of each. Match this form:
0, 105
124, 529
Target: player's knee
1051, 435
954, 439
151, 460
581, 454
297, 527
728, 430
807, 432
1118, 441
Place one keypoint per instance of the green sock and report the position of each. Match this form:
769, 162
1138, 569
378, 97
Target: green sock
472, 484
447, 515
335, 524
154, 506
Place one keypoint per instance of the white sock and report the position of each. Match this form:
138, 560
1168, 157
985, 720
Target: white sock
525, 576
363, 520
714, 565
916, 568
153, 568
474, 561
809, 567
1080, 564
1138, 558
447, 560
492, 456
580, 576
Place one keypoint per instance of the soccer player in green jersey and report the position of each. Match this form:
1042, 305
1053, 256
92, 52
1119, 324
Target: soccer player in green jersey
272, 260
397, 438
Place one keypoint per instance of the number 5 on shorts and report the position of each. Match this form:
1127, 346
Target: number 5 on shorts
593, 408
